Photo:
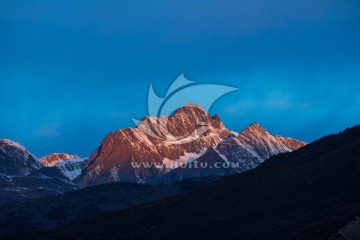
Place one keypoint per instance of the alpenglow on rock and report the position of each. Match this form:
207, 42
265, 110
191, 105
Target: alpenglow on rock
243, 152
61, 165
54, 158
114, 158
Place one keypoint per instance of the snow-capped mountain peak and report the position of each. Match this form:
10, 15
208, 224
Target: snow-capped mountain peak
255, 129
114, 158
15, 159
265, 144
245, 151
69, 165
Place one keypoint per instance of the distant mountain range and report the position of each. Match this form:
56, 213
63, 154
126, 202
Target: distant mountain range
113, 159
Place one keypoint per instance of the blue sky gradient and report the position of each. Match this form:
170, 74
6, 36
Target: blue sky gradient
72, 71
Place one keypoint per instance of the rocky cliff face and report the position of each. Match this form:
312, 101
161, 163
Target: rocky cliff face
163, 142
234, 154
263, 144
209, 164
158, 145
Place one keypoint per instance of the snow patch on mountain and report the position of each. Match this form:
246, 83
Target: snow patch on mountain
149, 143
71, 168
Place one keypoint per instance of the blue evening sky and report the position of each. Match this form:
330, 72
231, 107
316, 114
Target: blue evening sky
72, 71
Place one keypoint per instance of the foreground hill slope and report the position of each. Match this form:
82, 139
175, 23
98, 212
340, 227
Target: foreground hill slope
306, 194
28, 217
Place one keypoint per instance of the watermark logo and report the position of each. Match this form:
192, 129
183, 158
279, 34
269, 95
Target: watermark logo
181, 92
195, 164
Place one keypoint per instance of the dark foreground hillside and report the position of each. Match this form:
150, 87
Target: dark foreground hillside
306, 194
26, 218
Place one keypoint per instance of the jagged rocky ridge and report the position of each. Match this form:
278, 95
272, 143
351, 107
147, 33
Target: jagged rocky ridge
113, 159
199, 138
243, 152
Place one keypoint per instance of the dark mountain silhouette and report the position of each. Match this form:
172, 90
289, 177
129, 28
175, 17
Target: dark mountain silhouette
46, 213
